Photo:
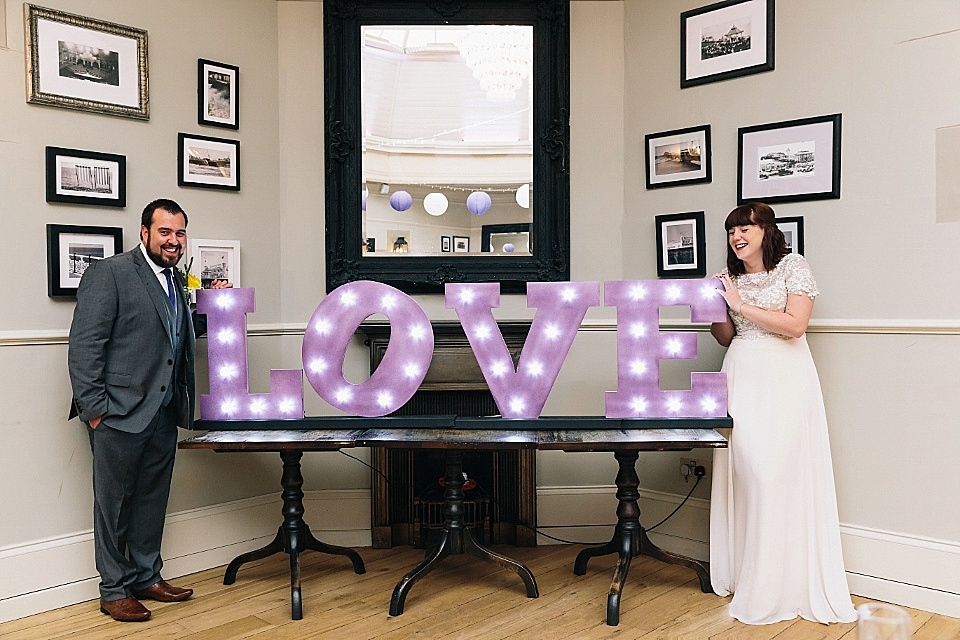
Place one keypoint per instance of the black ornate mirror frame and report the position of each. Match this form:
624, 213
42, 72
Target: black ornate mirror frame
551, 153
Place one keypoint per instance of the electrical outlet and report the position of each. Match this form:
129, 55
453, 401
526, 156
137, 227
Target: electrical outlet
687, 468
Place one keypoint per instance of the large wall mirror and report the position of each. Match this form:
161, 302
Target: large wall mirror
447, 148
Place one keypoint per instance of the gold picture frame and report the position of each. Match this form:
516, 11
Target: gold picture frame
75, 62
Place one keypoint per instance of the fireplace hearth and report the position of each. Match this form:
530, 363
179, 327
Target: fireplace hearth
406, 503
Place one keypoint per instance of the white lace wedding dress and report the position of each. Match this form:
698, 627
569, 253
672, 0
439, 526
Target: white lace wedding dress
774, 531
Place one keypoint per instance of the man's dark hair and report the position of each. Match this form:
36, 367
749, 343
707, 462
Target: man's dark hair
161, 203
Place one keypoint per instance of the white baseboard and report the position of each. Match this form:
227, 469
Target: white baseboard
56, 572
912, 571
903, 569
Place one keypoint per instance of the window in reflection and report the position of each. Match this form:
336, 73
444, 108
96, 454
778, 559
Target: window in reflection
447, 147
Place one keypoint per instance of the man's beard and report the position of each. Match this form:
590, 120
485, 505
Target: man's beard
161, 258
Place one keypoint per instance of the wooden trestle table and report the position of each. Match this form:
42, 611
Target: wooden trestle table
454, 435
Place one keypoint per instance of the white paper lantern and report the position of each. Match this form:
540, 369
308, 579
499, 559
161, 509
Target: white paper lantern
523, 196
435, 204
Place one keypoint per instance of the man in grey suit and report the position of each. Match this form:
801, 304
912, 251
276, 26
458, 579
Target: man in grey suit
131, 362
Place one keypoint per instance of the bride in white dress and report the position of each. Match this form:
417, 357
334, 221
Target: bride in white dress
774, 531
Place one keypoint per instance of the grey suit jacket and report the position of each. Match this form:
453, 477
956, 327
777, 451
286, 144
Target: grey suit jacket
121, 353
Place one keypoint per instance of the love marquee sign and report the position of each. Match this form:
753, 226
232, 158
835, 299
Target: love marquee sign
520, 391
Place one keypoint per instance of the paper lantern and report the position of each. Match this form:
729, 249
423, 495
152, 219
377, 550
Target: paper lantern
641, 346
435, 204
401, 200
404, 365
508, 247
523, 196
478, 203
363, 199
229, 397
522, 391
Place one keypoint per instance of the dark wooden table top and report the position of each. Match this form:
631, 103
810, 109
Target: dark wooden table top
575, 433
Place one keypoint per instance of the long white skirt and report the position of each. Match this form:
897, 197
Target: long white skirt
774, 530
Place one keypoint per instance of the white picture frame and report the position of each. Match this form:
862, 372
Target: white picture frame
214, 260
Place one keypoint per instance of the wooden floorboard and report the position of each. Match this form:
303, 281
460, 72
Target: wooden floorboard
463, 598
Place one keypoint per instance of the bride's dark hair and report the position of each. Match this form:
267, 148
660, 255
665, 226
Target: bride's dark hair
774, 245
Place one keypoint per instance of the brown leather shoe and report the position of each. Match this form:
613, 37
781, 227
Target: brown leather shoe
126, 609
163, 592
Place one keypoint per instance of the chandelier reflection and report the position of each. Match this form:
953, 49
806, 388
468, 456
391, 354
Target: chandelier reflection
500, 57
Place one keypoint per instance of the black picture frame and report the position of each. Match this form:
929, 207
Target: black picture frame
343, 140
218, 94
748, 54
446, 244
680, 255
678, 157
110, 81
71, 248
786, 161
201, 163
98, 179
792, 228
461, 244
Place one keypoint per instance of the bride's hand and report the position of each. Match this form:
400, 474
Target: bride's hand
730, 292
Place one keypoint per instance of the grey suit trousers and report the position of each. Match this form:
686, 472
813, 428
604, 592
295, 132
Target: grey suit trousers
131, 485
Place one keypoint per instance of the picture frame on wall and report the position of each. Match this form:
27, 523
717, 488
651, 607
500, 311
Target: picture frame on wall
792, 228
208, 162
726, 40
214, 260
71, 249
75, 62
74, 176
678, 157
218, 94
461, 244
446, 244
789, 161
681, 245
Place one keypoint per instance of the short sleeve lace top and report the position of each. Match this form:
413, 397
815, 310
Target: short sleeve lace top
769, 289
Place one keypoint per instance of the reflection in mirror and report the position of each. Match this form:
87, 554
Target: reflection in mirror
447, 138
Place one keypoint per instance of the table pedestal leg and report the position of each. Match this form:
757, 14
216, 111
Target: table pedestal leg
630, 539
294, 535
456, 538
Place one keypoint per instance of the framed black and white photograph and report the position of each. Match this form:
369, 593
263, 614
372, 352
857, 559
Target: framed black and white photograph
789, 161
726, 40
211, 163
681, 246
218, 94
214, 260
82, 63
461, 244
792, 229
86, 177
446, 244
678, 157
71, 249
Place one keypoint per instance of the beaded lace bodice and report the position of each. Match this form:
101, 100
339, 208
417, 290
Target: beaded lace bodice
769, 289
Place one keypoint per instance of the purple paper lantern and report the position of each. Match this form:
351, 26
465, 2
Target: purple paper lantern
641, 346
229, 397
521, 392
404, 365
401, 200
478, 203
363, 200
508, 247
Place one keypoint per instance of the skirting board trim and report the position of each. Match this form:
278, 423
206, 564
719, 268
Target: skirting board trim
904, 569
56, 572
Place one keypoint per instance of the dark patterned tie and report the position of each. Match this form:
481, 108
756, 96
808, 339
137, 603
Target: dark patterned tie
170, 291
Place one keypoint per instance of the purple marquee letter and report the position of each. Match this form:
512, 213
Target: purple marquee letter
403, 367
229, 397
641, 345
522, 392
